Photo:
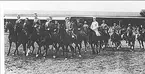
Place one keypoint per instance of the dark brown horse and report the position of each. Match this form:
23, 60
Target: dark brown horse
97, 41
66, 40
12, 35
27, 27
80, 33
140, 38
21, 36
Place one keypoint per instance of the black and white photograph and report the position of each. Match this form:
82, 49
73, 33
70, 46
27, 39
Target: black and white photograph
73, 37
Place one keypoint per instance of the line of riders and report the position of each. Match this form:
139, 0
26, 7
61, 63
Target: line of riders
73, 31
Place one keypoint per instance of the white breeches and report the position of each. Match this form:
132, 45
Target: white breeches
97, 33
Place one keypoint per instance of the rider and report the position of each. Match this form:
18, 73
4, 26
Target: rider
79, 24
129, 29
104, 26
85, 24
69, 28
68, 24
56, 26
94, 26
18, 19
141, 29
18, 22
115, 28
48, 24
36, 22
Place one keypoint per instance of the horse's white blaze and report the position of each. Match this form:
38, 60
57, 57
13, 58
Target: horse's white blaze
103, 46
48, 29
73, 36
132, 47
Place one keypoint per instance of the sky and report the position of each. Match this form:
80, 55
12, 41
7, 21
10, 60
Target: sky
105, 6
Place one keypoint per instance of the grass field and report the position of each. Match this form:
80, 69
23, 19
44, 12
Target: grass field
109, 61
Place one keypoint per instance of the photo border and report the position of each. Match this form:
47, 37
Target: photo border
2, 60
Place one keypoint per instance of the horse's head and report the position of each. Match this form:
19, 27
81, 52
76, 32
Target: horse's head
9, 26
6, 26
26, 23
18, 26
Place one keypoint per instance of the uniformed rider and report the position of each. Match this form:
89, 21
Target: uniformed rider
104, 26
69, 27
18, 22
36, 21
48, 24
94, 26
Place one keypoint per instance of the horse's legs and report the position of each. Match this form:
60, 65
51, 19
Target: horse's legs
55, 46
97, 49
33, 47
139, 43
75, 50
118, 45
85, 42
30, 43
10, 43
38, 51
24, 48
100, 46
45, 53
142, 44
63, 47
17, 48
17, 45
79, 49
93, 51
72, 50
66, 50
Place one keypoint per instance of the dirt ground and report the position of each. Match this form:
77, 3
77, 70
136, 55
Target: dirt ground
109, 61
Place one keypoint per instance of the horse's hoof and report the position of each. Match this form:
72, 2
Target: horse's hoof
131, 47
65, 59
71, 57
54, 57
44, 57
36, 55
80, 56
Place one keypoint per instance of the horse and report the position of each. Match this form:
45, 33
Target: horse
21, 37
38, 34
12, 35
140, 38
66, 40
130, 37
81, 35
97, 41
27, 26
44, 38
54, 38
34, 37
116, 39
105, 34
